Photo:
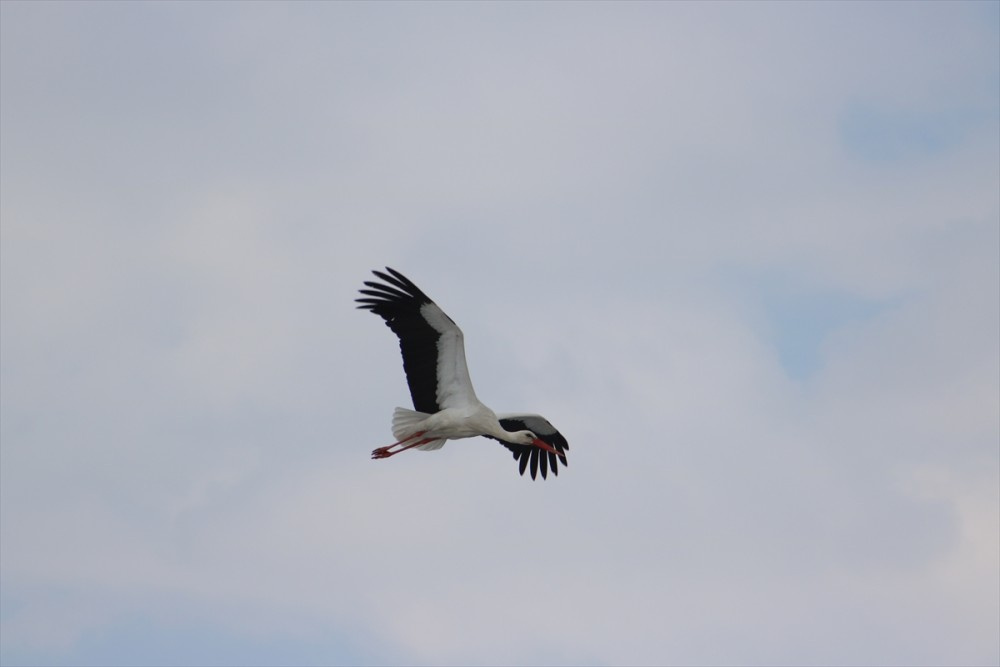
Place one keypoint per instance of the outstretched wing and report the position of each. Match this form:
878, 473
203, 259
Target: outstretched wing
536, 457
431, 343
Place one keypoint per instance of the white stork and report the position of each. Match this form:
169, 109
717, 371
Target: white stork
446, 407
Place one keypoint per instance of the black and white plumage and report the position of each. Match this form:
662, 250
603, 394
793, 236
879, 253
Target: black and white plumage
445, 405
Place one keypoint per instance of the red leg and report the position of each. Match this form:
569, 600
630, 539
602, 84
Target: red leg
384, 453
380, 454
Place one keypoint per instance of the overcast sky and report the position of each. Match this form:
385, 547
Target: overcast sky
744, 256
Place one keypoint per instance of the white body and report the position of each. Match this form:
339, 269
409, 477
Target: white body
455, 423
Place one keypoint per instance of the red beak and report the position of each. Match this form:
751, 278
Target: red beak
546, 446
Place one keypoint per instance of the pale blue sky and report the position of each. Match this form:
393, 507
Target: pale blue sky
744, 255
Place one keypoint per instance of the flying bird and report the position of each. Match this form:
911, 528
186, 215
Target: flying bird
445, 405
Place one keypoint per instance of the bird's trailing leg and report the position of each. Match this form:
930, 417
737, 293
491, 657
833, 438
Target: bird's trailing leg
384, 453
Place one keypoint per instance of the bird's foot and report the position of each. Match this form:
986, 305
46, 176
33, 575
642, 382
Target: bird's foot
382, 452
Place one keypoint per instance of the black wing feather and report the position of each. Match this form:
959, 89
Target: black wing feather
522, 455
398, 301
528, 455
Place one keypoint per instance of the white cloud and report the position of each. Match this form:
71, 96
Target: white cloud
192, 196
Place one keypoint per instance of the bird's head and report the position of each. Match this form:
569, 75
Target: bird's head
529, 438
